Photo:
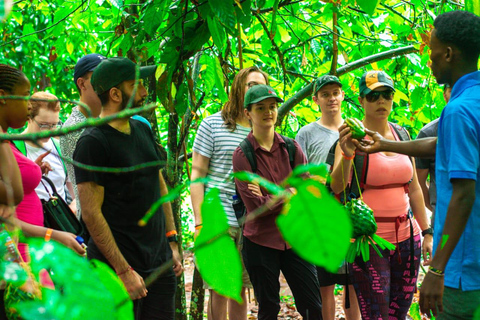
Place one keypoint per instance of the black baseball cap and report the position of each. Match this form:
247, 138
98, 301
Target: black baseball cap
114, 71
372, 80
86, 64
259, 93
323, 81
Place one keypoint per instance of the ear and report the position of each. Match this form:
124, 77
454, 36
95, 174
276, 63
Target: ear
81, 83
247, 114
115, 95
360, 100
449, 54
315, 99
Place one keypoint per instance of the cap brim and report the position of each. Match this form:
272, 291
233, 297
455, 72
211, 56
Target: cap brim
329, 82
266, 97
375, 86
147, 71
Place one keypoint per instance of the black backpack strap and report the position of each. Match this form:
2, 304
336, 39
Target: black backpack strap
291, 149
331, 155
249, 153
401, 132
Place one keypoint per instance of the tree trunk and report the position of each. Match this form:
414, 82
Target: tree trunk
197, 301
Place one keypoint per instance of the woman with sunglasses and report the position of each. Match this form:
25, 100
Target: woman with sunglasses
385, 285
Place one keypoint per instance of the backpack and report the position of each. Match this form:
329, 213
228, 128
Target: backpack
361, 164
249, 153
247, 148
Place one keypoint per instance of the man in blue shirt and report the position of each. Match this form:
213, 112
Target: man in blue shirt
451, 288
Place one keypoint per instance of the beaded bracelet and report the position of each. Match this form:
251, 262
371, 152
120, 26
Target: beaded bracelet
436, 272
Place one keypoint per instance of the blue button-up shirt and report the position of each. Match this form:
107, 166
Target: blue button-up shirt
458, 157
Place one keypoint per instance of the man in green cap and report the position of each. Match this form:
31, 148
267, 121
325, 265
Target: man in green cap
113, 203
265, 252
316, 139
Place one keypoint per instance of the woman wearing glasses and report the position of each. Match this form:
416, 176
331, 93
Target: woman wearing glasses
385, 285
45, 152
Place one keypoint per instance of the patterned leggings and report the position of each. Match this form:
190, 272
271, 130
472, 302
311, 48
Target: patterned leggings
385, 290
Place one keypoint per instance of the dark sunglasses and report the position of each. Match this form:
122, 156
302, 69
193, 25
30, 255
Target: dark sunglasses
375, 95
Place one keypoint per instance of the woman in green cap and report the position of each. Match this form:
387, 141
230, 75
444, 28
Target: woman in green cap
265, 253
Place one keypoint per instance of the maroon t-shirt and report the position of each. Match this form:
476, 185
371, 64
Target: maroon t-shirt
273, 165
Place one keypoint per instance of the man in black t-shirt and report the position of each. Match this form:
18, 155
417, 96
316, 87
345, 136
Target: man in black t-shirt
113, 203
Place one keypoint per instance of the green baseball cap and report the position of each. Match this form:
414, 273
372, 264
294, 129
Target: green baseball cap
259, 93
324, 80
372, 80
113, 71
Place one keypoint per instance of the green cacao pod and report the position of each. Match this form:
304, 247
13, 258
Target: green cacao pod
362, 218
356, 128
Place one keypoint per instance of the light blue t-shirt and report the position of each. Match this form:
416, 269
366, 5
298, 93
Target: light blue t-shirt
458, 157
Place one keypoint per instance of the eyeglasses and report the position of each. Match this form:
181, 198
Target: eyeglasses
45, 126
375, 95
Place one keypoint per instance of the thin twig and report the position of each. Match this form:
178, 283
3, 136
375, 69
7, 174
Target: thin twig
333, 69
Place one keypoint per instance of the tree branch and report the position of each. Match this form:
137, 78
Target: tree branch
281, 4
300, 44
307, 90
397, 13
274, 45
333, 69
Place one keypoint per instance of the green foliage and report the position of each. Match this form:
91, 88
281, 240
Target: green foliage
316, 225
198, 45
217, 257
102, 293
473, 6
368, 6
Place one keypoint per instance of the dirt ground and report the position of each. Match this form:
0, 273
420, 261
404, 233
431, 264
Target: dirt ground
287, 309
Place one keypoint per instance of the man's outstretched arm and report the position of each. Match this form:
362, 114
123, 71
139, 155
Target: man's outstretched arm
423, 148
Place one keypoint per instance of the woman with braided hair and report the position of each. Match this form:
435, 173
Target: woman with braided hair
14, 113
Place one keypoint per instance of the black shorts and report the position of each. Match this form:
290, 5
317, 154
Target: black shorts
326, 279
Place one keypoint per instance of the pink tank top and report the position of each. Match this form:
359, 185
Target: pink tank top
393, 201
30, 209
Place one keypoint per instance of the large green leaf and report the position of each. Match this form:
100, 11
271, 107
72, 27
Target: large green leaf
181, 99
316, 225
473, 6
217, 31
216, 255
154, 16
122, 301
223, 9
368, 6
219, 81
102, 296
